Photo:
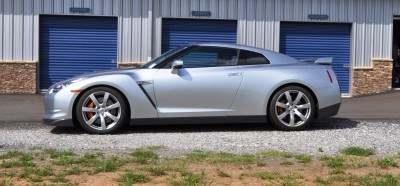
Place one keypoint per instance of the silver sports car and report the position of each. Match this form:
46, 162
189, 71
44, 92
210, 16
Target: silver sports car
199, 84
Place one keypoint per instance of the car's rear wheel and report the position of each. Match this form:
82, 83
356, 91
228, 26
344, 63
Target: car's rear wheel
101, 110
291, 108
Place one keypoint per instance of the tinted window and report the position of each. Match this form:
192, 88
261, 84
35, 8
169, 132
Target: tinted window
163, 57
251, 58
209, 57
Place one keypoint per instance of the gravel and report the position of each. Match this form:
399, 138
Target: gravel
330, 135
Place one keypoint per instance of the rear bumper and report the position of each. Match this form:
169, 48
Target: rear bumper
328, 111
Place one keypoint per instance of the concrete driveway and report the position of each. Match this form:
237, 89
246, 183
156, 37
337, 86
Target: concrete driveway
384, 106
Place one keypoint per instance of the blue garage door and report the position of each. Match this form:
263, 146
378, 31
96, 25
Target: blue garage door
178, 32
72, 45
305, 40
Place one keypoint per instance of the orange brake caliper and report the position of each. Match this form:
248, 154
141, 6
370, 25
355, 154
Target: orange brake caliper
90, 114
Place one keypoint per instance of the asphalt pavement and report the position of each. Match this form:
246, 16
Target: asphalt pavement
385, 106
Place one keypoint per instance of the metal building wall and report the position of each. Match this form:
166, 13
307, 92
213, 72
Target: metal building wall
19, 25
258, 22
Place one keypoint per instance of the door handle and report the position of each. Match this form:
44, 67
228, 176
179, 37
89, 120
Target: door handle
113, 61
346, 66
235, 74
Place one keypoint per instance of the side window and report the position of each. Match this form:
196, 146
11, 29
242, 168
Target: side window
251, 58
209, 57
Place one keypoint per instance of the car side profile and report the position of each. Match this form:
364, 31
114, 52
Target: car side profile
199, 84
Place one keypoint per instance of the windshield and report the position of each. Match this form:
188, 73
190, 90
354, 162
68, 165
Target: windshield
163, 57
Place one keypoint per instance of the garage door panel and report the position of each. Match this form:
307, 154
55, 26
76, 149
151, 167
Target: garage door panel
72, 45
305, 40
178, 32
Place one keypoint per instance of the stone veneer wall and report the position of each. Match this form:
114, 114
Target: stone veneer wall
18, 77
376, 79
129, 64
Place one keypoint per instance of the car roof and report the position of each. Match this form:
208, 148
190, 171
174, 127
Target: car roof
273, 57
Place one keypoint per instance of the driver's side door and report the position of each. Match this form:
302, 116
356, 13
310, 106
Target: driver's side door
206, 85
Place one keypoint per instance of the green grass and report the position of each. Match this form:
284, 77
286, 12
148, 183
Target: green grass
322, 181
367, 180
110, 165
302, 158
287, 163
357, 161
36, 178
87, 160
59, 154
5, 182
75, 170
387, 180
335, 162
130, 178
221, 157
358, 151
52, 167
277, 154
290, 179
189, 179
144, 156
10, 164
267, 175
387, 162
222, 173
68, 160
26, 172
47, 171
60, 178
35, 174
27, 157
157, 170
155, 148
338, 170
11, 154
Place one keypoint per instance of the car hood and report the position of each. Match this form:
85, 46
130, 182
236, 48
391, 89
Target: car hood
107, 72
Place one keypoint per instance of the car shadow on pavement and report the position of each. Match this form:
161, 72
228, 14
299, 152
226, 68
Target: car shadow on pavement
328, 124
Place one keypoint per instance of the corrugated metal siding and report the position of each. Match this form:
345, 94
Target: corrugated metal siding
307, 40
19, 25
2, 28
258, 22
73, 45
178, 32
258, 27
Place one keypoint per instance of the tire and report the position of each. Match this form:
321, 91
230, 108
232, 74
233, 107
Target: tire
99, 118
292, 108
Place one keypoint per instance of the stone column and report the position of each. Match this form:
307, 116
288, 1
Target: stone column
18, 77
375, 79
130, 64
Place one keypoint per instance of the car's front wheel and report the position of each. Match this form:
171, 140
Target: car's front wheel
291, 108
101, 110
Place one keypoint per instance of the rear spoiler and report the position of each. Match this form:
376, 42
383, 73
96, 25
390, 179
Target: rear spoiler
319, 61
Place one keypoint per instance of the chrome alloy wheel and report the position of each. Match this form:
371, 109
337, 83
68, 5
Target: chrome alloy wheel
101, 110
293, 108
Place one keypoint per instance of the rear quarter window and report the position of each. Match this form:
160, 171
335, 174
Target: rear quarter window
252, 58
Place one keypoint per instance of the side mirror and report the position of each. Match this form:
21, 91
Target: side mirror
177, 64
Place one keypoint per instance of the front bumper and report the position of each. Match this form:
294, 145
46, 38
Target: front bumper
60, 123
58, 108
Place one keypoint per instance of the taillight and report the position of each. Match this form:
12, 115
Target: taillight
329, 75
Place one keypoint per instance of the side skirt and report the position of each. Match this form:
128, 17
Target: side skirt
200, 120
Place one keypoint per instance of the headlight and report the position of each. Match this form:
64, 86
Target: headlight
58, 86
